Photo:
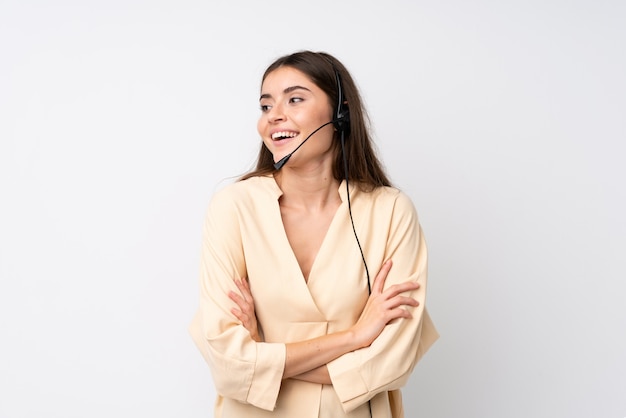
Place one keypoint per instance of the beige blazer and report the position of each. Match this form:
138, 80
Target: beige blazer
244, 237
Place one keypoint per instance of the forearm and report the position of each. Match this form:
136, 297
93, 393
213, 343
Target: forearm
306, 356
382, 307
319, 375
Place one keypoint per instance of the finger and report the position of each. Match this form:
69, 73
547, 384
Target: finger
239, 285
398, 312
241, 289
234, 296
402, 313
396, 289
242, 317
242, 285
379, 281
238, 300
399, 301
238, 314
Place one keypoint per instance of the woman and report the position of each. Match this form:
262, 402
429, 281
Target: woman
290, 322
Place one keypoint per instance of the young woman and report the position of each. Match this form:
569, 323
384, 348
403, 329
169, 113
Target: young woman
290, 321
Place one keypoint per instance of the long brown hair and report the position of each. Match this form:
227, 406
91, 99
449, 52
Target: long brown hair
364, 166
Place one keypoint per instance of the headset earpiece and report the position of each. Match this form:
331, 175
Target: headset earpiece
341, 120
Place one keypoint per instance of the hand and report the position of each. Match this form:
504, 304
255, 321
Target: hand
245, 313
383, 307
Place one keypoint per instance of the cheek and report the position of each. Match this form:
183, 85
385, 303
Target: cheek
260, 125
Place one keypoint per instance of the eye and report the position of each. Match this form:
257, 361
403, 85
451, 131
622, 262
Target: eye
296, 100
265, 108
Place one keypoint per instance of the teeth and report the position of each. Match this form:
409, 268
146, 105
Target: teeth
277, 135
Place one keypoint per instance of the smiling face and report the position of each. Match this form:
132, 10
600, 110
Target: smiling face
292, 107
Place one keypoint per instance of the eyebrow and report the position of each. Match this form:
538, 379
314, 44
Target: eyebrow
287, 90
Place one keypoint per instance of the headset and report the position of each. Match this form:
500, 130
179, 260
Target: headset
341, 121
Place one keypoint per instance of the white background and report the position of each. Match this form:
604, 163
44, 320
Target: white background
503, 120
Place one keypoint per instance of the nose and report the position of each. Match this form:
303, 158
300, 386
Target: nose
276, 114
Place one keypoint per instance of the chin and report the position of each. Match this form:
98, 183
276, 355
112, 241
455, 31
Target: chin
278, 157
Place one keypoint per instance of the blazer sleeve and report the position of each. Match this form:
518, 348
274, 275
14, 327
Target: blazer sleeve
242, 369
388, 362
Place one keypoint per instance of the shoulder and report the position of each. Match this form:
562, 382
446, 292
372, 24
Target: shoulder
245, 192
391, 196
390, 204
235, 202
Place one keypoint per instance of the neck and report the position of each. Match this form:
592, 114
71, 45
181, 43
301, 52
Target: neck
310, 189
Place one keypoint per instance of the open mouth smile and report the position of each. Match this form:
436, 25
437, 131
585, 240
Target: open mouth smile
277, 136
